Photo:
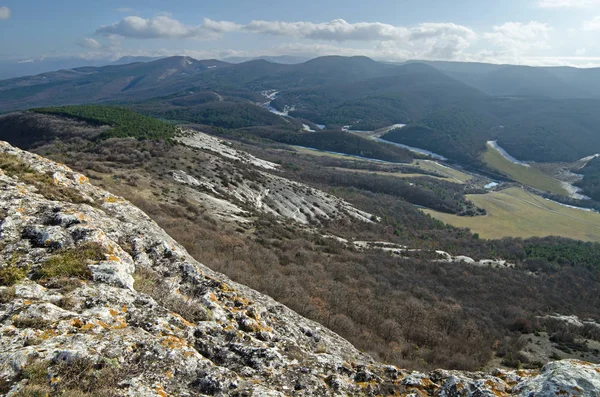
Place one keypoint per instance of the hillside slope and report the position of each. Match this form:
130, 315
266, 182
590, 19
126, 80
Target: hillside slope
96, 298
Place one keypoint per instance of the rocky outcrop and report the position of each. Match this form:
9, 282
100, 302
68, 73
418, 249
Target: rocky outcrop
222, 188
87, 276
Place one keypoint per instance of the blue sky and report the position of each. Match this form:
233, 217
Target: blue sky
533, 32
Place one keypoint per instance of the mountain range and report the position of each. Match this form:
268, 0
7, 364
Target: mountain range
537, 114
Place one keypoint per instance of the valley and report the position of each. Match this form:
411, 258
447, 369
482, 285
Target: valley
514, 212
377, 208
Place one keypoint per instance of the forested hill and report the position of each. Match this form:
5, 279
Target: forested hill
536, 114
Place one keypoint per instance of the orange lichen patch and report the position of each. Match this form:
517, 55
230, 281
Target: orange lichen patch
47, 334
253, 314
20, 210
82, 179
173, 342
21, 189
188, 354
226, 288
77, 323
169, 374
113, 312
528, 373
10, 330
113, 199
243, 301
213, 297
88, 326
27, 302
124, 309
183, 320
256, 326
103, 324
161, 392
119, 324
114, 258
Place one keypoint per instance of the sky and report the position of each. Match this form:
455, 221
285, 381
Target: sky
530, 32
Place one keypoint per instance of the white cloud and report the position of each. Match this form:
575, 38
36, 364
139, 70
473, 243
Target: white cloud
88, 42
533, 43
592, 25
568, 3
4, 13
220, 26
442, 40
162, 26
336, 30
516, 37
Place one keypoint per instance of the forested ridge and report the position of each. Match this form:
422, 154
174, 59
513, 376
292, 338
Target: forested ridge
124, 123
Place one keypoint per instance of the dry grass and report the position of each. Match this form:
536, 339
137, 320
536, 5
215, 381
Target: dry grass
529, 176
80, 377
12, 274
450, 173
516, 213
7, 294
149, 282
15, 167
72, 262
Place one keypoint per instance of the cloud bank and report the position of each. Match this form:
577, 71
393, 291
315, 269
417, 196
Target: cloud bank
163, 26
568, 3
4, 13
511, 42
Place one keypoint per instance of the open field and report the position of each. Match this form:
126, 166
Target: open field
529, 176
321, 153
396, 174
517, 213
450, 173
428, 165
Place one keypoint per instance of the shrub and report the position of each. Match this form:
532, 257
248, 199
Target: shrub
12, 274
7, 294
79, 377
149, 282
72, 262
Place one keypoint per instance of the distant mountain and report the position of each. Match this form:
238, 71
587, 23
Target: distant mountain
386, 95
525, 81
92, 84
451, 108
133, 59
28, 67
284, 59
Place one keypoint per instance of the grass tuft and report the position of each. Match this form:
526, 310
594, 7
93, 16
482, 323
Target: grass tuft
15, 167
12, 274
72, 262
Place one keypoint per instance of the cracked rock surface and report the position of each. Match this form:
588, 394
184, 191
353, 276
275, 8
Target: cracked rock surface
139, 300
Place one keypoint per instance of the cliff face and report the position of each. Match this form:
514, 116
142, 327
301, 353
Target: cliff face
97, 300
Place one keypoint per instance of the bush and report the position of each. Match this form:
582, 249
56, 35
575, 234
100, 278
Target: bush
71, 262
149, 282
11, 274
79, 377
